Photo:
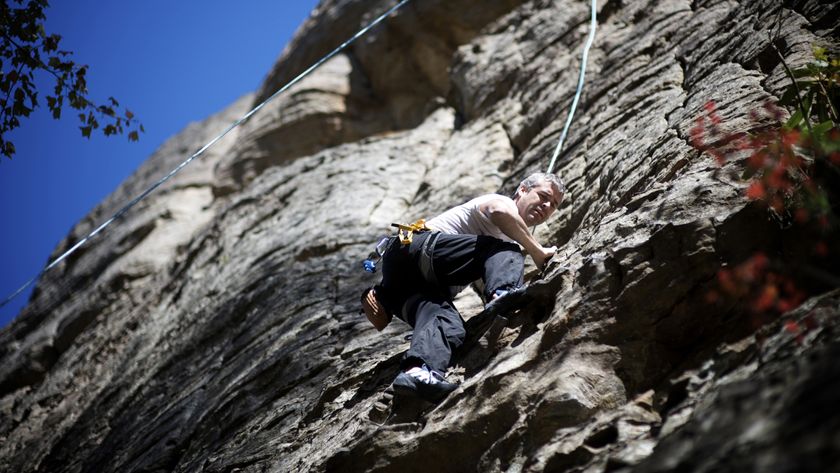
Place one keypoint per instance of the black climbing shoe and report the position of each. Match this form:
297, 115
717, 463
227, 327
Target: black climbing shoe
507, 301
422, 382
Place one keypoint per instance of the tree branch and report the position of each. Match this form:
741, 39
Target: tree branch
8, 94
805, 117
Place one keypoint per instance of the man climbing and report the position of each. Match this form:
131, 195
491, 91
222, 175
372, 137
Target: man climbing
476, 240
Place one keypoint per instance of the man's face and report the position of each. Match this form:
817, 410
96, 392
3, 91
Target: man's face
538, 203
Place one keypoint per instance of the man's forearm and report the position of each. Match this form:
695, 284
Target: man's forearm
515, 228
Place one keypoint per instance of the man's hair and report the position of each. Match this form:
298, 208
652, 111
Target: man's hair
535, 179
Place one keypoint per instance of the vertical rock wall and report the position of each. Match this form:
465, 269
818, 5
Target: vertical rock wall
217, 328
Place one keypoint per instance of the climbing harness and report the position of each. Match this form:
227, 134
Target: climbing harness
593, 24
406, 232
198, 153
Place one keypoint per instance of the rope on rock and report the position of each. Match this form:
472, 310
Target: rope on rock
593, 24
198, 153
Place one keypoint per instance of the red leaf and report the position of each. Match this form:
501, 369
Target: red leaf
712, 297
756, 191
777, 204
801, 215
757, 159
726, 281
767, 298
760, 261
821, 249
823, 221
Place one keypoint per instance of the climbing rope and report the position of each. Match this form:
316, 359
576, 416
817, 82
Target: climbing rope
593, 24
198, 153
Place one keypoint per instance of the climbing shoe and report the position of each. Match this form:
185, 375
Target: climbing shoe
423, 382
506, 300
374, 310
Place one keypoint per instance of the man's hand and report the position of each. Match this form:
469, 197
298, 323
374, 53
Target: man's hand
542, 255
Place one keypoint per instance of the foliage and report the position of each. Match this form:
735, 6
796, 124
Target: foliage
793, 168
27, 49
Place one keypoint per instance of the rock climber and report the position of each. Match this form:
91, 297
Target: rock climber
477, 240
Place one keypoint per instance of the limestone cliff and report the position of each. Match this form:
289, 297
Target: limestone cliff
216, 327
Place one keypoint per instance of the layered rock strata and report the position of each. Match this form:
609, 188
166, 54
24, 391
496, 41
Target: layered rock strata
217, 328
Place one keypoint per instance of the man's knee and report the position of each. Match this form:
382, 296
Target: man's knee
454, 331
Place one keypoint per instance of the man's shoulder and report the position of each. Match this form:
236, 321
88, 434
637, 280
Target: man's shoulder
485, 199
469, 217
491, 197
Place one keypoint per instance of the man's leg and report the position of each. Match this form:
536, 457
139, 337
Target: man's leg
455, 260
438, 331
503, 270
458, 260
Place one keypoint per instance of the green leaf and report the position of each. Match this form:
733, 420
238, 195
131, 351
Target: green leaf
806, 105
819, 53
51, 42
133, 136
794, 119
86, 131
822, 128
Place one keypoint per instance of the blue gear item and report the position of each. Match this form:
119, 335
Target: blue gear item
370, 263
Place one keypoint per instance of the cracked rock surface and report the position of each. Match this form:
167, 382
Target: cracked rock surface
216, 328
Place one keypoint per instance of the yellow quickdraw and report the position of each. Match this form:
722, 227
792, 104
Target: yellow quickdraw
406, 232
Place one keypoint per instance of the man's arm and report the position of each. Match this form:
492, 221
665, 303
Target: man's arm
505, 216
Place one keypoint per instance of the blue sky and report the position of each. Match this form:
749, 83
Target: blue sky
169, 62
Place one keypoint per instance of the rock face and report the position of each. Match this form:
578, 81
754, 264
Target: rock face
216, 327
